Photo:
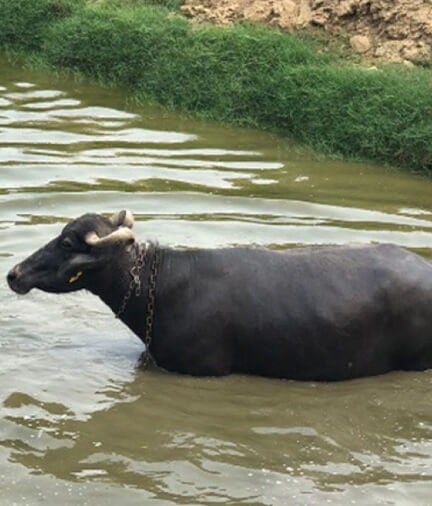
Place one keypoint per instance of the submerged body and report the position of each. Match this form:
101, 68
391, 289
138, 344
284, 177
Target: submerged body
307, 314
327, 313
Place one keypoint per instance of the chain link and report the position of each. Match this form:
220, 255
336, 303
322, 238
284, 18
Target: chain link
136, 280
150, 310
135, 284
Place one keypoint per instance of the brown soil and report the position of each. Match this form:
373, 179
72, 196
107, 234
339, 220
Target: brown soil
390, 30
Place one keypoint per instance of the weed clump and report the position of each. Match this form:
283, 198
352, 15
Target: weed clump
24, 23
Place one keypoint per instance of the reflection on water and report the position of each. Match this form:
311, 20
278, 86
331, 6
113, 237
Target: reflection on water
80, 423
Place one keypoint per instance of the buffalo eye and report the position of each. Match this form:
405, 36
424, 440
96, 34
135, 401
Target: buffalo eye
66, 244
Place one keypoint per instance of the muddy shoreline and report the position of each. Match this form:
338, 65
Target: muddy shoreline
381, 30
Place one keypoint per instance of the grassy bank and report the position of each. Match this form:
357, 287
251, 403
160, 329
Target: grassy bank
244, 75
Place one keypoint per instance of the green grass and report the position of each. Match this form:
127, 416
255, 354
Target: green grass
24, 23
245, 75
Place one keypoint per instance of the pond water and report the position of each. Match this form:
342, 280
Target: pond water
80, 422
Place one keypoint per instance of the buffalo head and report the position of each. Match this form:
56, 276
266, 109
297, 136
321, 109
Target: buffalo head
67, 263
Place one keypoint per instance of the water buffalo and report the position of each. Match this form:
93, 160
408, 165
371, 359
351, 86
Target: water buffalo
325, 313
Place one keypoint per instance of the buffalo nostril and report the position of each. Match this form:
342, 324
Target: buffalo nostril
12, 275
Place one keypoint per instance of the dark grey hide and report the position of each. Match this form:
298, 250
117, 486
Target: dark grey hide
330, 313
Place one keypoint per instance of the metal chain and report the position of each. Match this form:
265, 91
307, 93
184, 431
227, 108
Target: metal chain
135, 281
135, 284
150, 310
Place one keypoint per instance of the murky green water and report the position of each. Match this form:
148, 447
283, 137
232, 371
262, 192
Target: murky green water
80, 423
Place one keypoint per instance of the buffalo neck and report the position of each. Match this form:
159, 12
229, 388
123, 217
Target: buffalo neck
114, 283
173, 283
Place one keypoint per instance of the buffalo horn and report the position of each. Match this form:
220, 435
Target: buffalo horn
121, 235
123, 219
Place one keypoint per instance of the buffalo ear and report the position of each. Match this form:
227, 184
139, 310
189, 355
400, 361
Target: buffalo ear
78, 263
123, 219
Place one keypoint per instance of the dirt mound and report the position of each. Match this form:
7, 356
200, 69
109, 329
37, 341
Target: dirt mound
391, 30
